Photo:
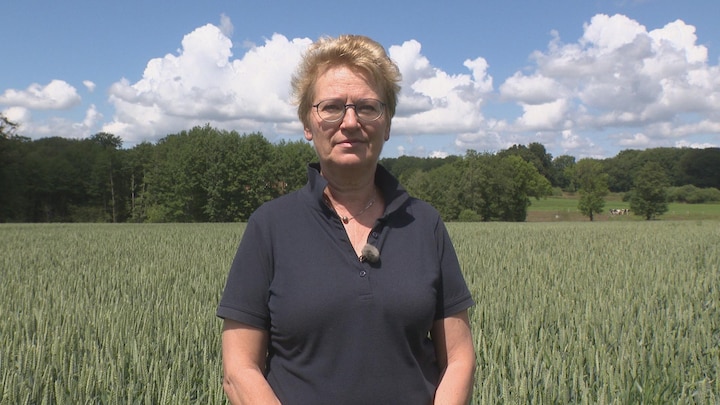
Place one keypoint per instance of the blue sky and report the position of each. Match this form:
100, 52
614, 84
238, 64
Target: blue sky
586, 78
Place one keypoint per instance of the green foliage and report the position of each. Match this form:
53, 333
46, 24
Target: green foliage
649, 197
136, 163
289, 164
668, 159
693, 195
593, 187
468, 215
611, 312
404, 166
57, 174
198, 175
13, 178
209, 175
492, 186
526, 182
8, 129
563, 168
701, 167
536, 155
104, 185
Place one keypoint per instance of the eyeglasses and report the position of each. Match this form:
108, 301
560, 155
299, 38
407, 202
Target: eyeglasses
366, 109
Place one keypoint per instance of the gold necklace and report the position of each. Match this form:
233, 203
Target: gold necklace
344, 218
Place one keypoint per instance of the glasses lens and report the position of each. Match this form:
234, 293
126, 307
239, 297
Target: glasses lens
331, 110
368, 110
365, 109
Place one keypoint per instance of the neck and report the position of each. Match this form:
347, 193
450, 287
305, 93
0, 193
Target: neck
352, 191
350, 184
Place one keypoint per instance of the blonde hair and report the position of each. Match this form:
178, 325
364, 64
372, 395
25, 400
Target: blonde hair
354, 52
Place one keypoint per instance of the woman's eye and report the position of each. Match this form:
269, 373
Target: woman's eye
366, 109
332, 108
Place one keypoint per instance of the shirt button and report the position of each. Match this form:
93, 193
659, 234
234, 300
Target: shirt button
374, 234
363, 273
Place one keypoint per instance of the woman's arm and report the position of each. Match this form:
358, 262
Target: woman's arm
244, 351
456, 357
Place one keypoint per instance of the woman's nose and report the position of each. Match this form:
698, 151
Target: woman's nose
350, 120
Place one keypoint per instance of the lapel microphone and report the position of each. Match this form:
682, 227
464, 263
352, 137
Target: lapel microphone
370, 254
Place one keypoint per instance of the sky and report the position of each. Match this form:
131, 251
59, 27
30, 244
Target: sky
586, 78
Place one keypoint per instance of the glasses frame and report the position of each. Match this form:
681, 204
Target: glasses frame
316, 107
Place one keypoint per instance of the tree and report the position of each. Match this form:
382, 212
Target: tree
440, 187
209, 175
13, 172
593, 185
669, 159
136, 163
546, 167
701, 167
172, 191
499, 187
526, 182
105, 170
8, 128
621, 170
289, 165
650, 196
535, 154
563, 168
57, 173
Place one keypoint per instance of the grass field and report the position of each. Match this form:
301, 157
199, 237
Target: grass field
560, 209
572, 312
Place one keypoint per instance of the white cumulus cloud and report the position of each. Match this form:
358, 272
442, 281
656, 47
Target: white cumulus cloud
619, 85
204, 84
545, 116
90, 86
56, 95
55, 126
616, 79
435, 102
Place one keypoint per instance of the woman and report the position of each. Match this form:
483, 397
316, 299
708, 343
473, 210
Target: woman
347, 291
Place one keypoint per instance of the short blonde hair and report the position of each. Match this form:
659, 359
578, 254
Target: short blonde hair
354, 52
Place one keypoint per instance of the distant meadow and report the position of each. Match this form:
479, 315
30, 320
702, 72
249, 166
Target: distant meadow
611, 311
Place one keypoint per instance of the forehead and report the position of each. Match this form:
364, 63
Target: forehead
344, 82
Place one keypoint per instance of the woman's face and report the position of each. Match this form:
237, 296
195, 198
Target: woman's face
347, 142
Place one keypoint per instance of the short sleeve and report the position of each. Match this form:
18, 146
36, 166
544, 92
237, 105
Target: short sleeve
245, 298
455, 295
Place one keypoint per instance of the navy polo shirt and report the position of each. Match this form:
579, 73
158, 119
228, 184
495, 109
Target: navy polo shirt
344, 331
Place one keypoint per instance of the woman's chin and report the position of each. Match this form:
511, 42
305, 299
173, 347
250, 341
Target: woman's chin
352, 157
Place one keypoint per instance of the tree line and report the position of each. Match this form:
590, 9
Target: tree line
500, 186
210, 175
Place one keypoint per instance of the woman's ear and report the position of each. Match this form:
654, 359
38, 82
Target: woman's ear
308, 134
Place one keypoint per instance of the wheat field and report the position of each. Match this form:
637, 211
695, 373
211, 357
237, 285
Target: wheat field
612, 312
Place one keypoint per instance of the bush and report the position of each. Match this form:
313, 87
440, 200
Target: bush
694, 195
468, 215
